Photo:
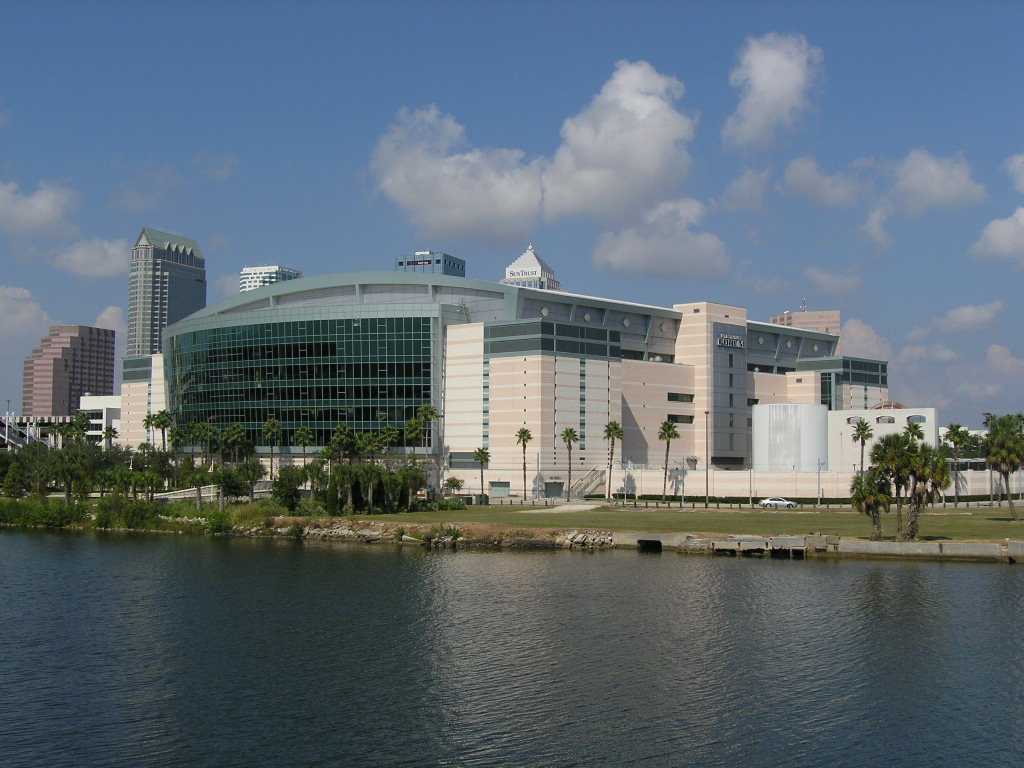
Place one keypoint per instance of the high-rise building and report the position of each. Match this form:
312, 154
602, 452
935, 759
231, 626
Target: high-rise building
256, 277
531, 271
433, 262
821, 320
167, 282
71, 361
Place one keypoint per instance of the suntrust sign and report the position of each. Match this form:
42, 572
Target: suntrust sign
524, 273
728, 340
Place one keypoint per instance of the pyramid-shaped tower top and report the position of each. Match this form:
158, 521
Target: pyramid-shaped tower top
531, 271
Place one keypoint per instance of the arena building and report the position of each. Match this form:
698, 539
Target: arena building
368, 348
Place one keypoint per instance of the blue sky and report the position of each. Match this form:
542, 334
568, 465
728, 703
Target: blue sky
867, 157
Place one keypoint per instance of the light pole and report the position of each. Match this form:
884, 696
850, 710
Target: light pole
707, 462
750, 482
819, 482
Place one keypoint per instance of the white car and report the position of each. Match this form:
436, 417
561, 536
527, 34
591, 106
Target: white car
777, 503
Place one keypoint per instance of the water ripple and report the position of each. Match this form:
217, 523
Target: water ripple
138, 651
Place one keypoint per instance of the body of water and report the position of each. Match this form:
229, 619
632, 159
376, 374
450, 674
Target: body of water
151, 650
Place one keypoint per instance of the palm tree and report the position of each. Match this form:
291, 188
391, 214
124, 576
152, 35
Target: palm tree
667, 432
162, 420
177, 436
612, 432
369, 476
412, 431
197, 478
481, 456
149, 425
251, 472
304, 437
389, 436
892, 455
957, 436
233, 438
929, 474
861, 434
109, 436
1006, 451
426, 413
206, 433
913, 431
869, 496
316, 475
569, 437
524, 436
272, 433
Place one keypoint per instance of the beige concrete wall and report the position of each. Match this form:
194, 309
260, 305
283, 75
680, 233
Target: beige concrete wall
138, 400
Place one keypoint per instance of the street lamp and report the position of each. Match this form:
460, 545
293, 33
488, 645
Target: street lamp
707, 462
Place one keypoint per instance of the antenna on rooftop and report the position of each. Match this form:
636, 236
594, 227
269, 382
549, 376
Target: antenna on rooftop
803, 305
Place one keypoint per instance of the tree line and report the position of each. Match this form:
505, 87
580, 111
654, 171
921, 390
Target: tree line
907, 472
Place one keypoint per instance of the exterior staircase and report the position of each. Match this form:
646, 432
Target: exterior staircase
591, 482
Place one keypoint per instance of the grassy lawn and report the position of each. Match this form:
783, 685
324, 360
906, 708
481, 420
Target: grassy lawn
979, 524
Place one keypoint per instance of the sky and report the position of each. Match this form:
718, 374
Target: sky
860, 156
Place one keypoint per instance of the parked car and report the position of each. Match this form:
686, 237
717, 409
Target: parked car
775, 502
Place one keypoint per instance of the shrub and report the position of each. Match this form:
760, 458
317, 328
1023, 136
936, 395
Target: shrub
296, 531
217, 521
286, 487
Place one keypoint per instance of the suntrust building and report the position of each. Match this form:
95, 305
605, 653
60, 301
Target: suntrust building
368, 348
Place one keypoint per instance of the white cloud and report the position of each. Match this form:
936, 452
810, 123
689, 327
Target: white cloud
746, 193
764, 286
976, 317
830, 282
625, 150
774, 75
112, 318
665, 245
96, 258
1002, 362
150, 187
422, 163
874, 227
220, 167
225, 286
920, 353
21, 314
1002, 239
803, 177
42, 212
966, 319
1014, 167
859, 339
925, 181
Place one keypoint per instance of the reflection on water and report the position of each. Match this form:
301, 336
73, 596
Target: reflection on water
147, 651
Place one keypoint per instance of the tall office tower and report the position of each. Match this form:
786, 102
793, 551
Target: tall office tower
823, 320
71, 361
166, 283
257, 277
434, 262
531, 271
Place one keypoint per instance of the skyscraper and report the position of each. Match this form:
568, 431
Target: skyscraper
167, 282
71, 361
256, 277
433, 262
531, 271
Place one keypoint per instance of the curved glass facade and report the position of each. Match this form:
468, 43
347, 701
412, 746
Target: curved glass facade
365, 372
